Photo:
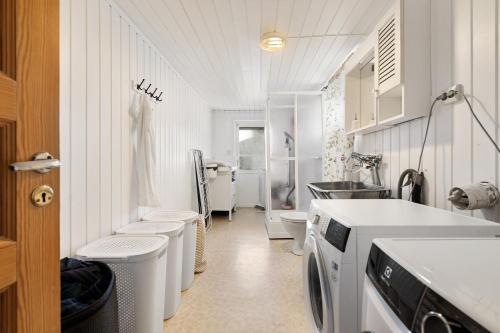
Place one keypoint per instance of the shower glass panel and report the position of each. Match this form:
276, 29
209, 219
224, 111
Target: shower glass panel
309, 126
309, 172
282, 132
294, 150
309, 147
283, 184
282, 150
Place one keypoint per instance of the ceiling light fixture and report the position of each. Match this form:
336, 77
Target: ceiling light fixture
272, 42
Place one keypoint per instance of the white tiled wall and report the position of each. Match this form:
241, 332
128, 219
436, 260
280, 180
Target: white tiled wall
101, 52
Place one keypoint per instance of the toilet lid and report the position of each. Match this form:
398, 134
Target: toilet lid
294, 216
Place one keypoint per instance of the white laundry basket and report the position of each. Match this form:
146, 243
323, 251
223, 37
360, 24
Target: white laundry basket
190, 219
139, 264
175, 233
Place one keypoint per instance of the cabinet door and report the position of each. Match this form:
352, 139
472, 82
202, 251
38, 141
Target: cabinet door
388, 69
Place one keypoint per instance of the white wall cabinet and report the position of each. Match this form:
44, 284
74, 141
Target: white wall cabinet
400, 47
360, 97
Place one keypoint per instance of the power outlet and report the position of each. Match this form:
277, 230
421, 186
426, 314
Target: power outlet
455, 94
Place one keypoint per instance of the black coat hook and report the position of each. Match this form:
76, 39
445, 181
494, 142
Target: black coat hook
147, 89
153, 93
139, 86
158, 97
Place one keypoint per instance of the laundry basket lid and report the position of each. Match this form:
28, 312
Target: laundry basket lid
124, 248
170, 229
294, 216
172, 215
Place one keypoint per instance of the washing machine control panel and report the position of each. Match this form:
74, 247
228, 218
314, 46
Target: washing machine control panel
400, 289
337, 234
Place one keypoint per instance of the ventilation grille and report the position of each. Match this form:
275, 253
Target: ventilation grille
387, 51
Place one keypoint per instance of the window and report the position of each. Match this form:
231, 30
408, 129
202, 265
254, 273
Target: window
251, 145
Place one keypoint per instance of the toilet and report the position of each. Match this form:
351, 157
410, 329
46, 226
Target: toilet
295, 224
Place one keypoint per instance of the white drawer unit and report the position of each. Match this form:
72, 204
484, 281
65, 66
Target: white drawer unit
223, 191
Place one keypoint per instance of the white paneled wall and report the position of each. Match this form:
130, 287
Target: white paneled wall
101, 52
223, 122
464, 49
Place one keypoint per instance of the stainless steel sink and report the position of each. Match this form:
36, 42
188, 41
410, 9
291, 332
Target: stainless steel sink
348, 190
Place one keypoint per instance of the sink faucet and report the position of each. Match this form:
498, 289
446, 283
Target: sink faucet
369, 162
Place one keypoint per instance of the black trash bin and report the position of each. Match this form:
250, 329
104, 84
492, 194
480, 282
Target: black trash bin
88, 297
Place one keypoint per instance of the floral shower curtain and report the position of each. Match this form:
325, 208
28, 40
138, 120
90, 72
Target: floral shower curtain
338, 145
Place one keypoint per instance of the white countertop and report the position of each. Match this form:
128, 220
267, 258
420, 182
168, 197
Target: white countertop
391, 212
466, 272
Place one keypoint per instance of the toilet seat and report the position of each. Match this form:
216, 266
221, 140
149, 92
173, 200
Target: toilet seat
294, 217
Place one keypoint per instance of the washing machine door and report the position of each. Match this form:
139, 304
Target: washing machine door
317, 294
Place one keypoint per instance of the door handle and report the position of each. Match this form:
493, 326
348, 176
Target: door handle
41, 163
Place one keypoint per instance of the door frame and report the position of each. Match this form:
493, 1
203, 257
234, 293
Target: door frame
236, 149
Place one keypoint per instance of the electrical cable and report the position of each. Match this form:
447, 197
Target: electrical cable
441, 97
416, 177
444, 96
481, 125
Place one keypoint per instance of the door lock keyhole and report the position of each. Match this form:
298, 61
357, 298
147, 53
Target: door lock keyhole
42, 195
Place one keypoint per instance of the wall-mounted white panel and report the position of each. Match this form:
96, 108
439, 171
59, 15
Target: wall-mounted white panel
101, 52
464, 50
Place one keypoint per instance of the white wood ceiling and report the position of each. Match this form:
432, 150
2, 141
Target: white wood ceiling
214, 44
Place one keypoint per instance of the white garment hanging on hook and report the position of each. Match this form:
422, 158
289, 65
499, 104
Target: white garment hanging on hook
142, 113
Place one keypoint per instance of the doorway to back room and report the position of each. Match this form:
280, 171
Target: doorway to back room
251, 159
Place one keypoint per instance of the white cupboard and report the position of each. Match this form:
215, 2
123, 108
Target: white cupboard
401, 78
223, 191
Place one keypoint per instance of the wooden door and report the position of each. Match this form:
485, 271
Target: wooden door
29, 112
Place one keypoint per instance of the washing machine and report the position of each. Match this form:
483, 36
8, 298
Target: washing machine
339, 236
432, 285
324, 267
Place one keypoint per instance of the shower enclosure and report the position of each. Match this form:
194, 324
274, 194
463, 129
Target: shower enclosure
293, 154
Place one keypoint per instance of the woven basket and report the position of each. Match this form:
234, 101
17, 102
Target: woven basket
200, 264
